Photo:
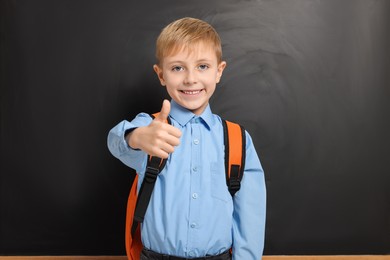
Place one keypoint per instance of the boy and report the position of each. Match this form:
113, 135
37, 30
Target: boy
191, 214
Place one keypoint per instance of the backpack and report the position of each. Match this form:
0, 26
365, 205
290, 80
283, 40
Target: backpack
234, 141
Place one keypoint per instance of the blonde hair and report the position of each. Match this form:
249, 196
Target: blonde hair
184, 33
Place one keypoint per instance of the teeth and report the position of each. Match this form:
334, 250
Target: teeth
193, 92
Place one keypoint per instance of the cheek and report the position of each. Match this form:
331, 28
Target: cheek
213, 79
214, 76
172, 79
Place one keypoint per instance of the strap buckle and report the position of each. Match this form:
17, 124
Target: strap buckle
234, 180
234, 185
151, 174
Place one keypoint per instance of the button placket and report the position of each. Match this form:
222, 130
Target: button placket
195, 184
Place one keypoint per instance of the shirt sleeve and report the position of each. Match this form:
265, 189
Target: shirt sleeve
120, 149
250, 209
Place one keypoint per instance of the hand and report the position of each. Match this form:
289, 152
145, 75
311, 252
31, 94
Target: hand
158, 138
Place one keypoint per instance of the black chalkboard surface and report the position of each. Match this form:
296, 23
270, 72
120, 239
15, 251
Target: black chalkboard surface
308, 79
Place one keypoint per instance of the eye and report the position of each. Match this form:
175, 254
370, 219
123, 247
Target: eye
203, 67
177, 68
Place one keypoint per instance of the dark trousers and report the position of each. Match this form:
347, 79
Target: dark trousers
150, 255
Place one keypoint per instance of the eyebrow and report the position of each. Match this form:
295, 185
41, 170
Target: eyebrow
198, 61
205, 60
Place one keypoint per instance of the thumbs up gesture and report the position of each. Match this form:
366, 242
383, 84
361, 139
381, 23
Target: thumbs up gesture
158, 138
164, 113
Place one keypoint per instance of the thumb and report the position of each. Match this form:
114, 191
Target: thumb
164, 113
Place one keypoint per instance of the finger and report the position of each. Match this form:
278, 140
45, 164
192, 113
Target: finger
167, 148
171, 130
163, 151
164, 113
172, 140
160, 154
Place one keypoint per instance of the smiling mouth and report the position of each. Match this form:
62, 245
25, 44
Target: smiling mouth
191, 92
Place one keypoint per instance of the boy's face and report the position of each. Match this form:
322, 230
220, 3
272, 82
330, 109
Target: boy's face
190, 76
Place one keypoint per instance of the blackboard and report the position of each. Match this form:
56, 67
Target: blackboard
308, 79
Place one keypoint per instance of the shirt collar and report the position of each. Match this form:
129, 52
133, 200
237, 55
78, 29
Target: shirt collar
183, 115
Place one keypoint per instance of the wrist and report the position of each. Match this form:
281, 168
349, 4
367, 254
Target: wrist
130, 138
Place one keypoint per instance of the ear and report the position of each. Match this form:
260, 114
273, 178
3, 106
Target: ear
159, 73
221, 67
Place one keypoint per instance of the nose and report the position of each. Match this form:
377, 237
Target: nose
190, 78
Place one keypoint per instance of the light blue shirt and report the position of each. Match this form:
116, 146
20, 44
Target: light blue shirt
191, 212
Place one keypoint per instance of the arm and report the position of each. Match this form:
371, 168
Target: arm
250, 209
118, 146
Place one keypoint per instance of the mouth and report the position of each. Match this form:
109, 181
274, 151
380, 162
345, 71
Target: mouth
191, 92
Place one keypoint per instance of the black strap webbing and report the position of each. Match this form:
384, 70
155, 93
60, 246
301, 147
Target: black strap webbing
153, 168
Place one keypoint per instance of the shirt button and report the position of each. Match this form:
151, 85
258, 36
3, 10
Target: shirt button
195, 195
191, 253
196, 141
195, 169
193, 225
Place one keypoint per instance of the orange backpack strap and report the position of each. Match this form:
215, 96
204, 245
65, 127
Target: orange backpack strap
133, 241
153, 169
138, 203
235, 147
